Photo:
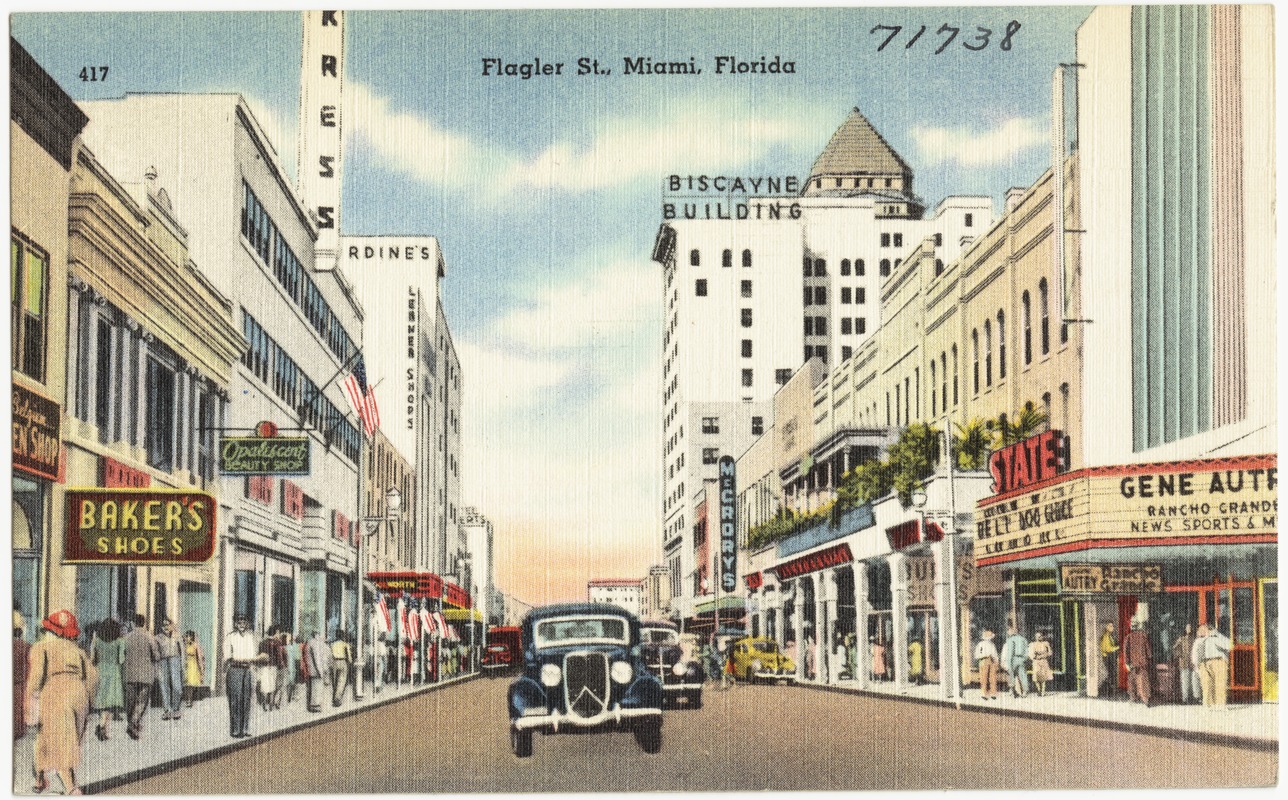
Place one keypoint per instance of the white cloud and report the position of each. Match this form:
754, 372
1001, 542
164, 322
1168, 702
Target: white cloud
969, 148
698, 133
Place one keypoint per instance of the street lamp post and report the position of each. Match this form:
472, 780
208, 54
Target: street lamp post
393, 504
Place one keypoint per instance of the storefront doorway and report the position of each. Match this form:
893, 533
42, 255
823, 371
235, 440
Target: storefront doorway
923, 636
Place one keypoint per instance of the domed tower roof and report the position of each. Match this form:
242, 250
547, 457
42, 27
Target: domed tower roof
859, 161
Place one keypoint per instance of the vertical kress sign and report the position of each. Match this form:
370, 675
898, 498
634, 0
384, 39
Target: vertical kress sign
728, 525
319, 149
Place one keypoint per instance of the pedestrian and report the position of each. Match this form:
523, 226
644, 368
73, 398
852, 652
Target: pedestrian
1040, 656
21, 652
879, 670
837, 662
139, 671
1139, 656
194, 666
986, 661
1186, 675
810, 656
1015, 655
241, 654
1109, 658
341, 667
285, 672
292, 676
60, 682
916, 662
107, 652
1211, 649
318, 657
170, 669
266, 671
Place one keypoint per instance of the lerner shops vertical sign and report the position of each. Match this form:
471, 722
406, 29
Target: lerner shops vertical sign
728, 525
139, 526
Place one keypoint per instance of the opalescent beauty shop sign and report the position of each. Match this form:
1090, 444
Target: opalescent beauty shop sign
270, 455
143, 526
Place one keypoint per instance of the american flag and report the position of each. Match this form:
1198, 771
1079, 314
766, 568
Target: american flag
362, 397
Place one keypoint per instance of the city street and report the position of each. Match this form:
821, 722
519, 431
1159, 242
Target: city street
746, 738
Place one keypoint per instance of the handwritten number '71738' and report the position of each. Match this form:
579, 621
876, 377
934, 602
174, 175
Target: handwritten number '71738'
977, 42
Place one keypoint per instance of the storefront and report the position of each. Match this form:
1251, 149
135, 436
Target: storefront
1161, 545
37, 461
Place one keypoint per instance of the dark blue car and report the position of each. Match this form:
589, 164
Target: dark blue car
582, 672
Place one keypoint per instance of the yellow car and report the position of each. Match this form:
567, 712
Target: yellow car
758, 657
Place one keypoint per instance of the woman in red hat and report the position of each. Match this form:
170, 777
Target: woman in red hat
61, 675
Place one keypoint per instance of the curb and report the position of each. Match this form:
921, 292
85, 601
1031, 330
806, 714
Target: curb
1227, 739
196, 758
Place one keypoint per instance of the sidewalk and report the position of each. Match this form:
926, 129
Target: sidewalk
200, 734
1252, 725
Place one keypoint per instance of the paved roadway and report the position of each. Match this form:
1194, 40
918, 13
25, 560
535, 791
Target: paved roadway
747, 738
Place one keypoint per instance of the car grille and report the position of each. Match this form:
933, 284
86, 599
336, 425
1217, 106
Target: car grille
586, 683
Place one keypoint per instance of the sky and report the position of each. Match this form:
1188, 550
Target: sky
545, 194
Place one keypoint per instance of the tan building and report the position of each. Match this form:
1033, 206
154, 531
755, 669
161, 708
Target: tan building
389, 549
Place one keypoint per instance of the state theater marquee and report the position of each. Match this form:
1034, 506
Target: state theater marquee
1210, 501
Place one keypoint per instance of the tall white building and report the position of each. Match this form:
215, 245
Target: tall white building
623, 593
748, 300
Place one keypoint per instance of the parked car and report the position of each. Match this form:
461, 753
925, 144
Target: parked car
503, 650
582, 672
759, 658
673, 660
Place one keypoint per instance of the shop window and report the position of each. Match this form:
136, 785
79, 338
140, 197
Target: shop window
245, 586
29, 306
283, 603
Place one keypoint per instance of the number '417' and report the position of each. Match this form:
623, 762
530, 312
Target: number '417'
93, 73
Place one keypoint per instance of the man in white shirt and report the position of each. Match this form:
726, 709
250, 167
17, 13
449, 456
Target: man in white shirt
1211, 648
241, 652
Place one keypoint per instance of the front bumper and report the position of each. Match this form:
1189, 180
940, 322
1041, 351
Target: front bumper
553, 721
673, 688
776, 676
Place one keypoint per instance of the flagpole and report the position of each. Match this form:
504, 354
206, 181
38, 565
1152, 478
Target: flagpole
318, 392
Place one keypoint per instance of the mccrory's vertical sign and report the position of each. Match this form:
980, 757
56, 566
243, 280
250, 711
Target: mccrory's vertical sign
728, 525
319, 150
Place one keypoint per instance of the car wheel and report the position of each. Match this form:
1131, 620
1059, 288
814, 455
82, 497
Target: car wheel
521, 742
695, 699
648, 734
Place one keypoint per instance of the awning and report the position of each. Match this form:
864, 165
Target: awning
732, 602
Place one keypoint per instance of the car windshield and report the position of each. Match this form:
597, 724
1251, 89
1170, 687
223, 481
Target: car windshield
659, 636
765, 647
581, 630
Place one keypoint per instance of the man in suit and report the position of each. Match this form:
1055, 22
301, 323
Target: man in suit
139, 671
318, 654
1139, 656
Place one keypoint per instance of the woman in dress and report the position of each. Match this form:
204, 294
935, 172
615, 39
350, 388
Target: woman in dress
878, 660
1040, 655
266, 672
194, 666
107, 651
60, 681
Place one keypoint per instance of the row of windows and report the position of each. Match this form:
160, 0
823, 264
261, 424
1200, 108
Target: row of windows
726, 258
700, 288
276, 369
887, 238
857, 325
261, 232
816, 326
820, 350
859, 295
816, 295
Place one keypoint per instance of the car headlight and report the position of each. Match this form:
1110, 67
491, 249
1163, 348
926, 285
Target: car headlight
680, 668
550, 675
621, 672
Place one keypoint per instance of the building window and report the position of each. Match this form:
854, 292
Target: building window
1045, 329
757, 426
934, 410
710, 455
809, 266
782, 376
1027, 326
809, 295
746, 317
694, 258
939, 266
860, 295
846, 352
970, 220
160, 416
746, 377
820, 268
29, 302
103, 382
746, 288
700, 287
939, 240
1001, 345
955, 372
898, 240
860, 325
845, 294
820, 326
809, 352
943, 372
974, 340
885, 240
820, 295
859, 268
845, 266
885, 267
710, 424
746, 348
746, 258
846, 325
726, 258
821, 352
988, 353
809, 326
